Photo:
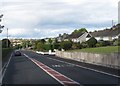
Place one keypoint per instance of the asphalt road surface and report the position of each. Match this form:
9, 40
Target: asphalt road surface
32, 68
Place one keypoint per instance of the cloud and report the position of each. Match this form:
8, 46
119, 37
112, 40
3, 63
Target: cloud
56, 16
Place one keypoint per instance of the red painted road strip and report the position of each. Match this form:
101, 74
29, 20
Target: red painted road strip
56, 75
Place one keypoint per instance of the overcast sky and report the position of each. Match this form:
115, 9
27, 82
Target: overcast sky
49, 18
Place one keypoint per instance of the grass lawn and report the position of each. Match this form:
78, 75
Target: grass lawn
108, 49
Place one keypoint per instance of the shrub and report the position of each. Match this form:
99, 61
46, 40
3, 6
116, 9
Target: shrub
66, 45
105, 43
40, 46
56, 46
76, 46
116, 43
48, 47
84, 44
98, 45
92, 42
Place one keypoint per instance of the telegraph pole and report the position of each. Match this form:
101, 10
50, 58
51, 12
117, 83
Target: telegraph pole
7, 33
112, 23
7, 39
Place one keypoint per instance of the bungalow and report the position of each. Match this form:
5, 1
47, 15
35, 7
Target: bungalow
79, 37
107, 34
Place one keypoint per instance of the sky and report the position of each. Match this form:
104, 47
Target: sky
38, 19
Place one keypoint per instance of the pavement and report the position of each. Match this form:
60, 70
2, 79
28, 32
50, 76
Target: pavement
33, 68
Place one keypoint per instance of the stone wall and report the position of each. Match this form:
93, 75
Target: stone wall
109, 60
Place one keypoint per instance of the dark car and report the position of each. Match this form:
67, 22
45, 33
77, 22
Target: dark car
17, 53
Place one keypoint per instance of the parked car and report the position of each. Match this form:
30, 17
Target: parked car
17, 53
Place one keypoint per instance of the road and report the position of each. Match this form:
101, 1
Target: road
32, 68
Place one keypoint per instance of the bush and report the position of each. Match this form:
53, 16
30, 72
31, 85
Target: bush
98, 45
66, 45
56, 46
76, 46
105, 43
92, 42
48, 47
40, 46
84, 44
116, 43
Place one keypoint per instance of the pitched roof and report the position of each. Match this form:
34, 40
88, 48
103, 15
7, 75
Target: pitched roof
75, 35
114, 31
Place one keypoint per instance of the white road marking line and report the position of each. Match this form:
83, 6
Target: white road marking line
3, 68
72, 81
6, 66
59, 66
68, 82
45, 70
85, 68
60, 74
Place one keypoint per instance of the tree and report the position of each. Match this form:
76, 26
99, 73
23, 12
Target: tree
47, 47
56, 41
50, 40
40, 46
23, 44
18, 46
43, 41
35, 45
56, 45
92, 42
66, 45
6, 43
82, 30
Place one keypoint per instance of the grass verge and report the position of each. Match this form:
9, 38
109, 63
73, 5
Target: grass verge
6, 53
105, 50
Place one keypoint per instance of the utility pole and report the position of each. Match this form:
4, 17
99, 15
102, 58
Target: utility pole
7, 39
7, 33
112, 23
